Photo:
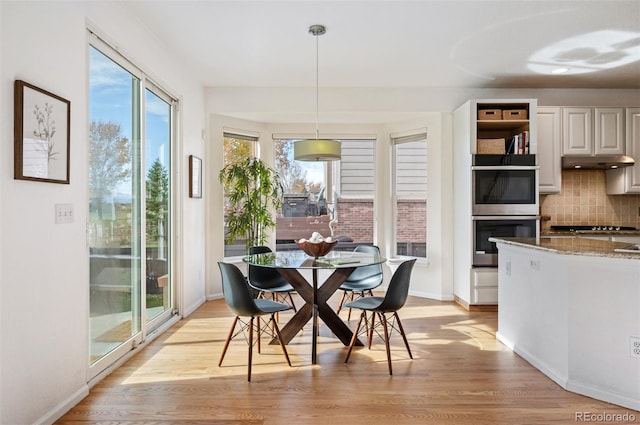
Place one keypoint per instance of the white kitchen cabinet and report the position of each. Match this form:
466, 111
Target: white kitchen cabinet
479, 285
577, 134
549, 140
484, 285
609, 131
627, 179
593, 131
571, 317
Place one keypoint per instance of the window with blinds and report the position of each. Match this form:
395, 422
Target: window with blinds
357, 168
410, 194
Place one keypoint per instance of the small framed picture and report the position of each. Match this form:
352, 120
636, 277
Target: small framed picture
41, 134
195, 177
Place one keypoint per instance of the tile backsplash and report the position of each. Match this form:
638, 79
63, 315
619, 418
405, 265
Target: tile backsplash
584, 200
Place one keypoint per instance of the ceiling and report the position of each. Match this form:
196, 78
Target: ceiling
400, 44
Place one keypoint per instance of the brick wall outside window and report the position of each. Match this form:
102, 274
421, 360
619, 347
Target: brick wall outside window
355, 219
412, 220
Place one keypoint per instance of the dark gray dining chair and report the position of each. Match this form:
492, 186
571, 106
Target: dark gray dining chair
239, 300
393, 300
363, 280
266, 280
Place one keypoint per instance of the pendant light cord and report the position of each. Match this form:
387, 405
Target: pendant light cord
317, 83
317, 31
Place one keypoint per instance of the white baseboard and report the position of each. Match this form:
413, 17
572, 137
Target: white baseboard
432, 295
607, 396
193, 307
568, 384
555, 375
216, 296
58, 411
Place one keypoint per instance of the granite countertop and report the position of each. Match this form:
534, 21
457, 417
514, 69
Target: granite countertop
591, 232
573, 246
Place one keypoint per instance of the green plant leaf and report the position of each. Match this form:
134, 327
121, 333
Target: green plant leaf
253, 190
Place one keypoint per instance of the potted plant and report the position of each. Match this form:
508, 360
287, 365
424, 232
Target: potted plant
254, 191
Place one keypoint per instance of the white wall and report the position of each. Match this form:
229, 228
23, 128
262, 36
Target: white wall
44, 266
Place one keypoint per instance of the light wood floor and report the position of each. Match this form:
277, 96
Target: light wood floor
460, 374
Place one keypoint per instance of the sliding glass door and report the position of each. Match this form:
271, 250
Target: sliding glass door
129, 234
158, 131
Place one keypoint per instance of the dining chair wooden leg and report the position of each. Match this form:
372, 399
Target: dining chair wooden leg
344, 295
371, 328
354, 337
383, 318
226, 343
404, 336
293, 305
367, 325
258, 325
277, 329
349, 314
250, 350
274, 297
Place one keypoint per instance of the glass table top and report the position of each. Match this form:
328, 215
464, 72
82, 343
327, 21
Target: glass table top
299, 260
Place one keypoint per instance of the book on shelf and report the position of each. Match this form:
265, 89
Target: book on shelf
518, 144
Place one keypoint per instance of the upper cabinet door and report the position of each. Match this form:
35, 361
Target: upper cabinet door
549, 140
609, 131
577, 138
627, 179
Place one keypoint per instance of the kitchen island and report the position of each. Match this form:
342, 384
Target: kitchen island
571, 308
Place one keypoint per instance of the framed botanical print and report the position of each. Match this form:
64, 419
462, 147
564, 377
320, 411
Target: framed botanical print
41, 134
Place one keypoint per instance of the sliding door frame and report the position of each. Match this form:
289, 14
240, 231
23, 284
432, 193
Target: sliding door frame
147, 329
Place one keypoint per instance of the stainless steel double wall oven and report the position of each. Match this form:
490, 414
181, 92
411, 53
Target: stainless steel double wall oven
505, 202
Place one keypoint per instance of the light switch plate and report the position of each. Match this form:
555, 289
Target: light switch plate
64, 213
634, 345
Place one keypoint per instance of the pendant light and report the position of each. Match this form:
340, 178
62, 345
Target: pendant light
316, 149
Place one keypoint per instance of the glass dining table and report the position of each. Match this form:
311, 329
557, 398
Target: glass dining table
316, 296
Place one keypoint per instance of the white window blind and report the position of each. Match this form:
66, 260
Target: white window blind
233, 133
411, 165
357, 168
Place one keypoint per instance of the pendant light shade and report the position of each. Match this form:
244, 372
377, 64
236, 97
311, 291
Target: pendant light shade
316, 149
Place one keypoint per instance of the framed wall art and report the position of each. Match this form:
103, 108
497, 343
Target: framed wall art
195, 177
41, 134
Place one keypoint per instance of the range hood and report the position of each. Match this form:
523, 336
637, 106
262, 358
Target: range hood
598, 162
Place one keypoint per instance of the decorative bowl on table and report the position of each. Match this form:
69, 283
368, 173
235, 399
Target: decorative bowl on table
316, 249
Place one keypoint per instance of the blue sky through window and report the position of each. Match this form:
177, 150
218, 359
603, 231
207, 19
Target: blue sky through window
111, 93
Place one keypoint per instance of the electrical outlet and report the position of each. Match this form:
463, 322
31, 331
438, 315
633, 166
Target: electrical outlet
634, 345
64, 213
534, 264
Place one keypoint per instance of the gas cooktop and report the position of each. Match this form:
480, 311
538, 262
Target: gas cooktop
589, 228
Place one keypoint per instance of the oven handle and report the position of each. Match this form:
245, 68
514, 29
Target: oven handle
504, 167
505, 217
